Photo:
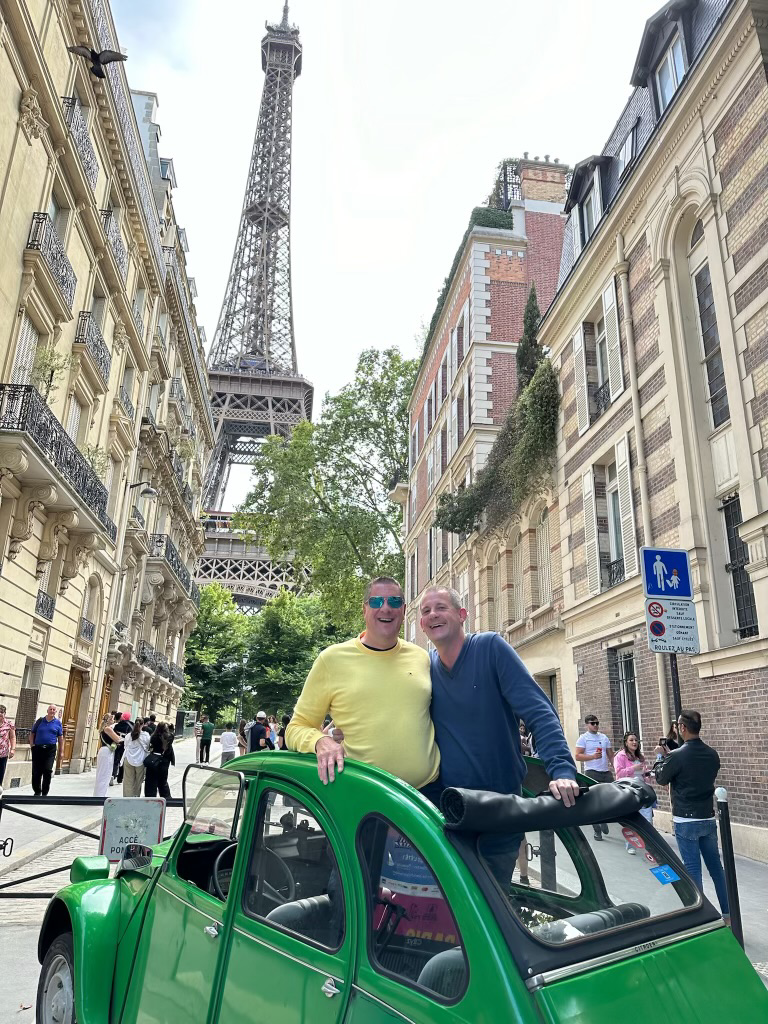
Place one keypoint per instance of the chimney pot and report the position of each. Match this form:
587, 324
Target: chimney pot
525, 155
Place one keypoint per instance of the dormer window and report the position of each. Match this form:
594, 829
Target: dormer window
589, 214
669, 73
627, 152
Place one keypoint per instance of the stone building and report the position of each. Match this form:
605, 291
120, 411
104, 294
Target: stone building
105, 424
466, 383
659, 332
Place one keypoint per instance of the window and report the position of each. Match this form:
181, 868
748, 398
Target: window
517, 602
741, 584
413, 587
615, 543
98, 308
624, 673
461, 424
26, 350
588, 214
669, 73
468, 406
58, 216
293, 882
626, 153
601, 350
600, 380
430, 552
495, 615
73, 419
544, 558
414, 446
444, 379
717, 395
443, 449
429, 414
430, 471
412, 933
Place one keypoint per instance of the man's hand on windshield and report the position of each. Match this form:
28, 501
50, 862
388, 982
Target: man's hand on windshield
330, 757
564, 789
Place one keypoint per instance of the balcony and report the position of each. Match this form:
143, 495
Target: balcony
161, 546
146, 655
44, 605
194, 594
149, 417
602, 399
614, 573
137, 517
176, 393
160, 353
44, 240
163, 668
87, 631
177, 675
125, 402
116, 243
23, 409
79, 132
172, 263
186, 497
178, 467
89, 337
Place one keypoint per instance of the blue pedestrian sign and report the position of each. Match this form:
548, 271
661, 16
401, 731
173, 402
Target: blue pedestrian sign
666, 573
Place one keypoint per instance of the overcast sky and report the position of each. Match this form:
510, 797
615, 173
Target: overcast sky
401, 114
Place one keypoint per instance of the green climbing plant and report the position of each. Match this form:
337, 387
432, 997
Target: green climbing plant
96, 458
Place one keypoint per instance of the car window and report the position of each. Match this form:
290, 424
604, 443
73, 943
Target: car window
293, 879
212, 801
577, 888
412, 933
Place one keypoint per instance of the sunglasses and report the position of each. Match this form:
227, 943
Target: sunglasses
378, 602
592, 722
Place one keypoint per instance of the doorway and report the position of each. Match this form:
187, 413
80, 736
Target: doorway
69, 718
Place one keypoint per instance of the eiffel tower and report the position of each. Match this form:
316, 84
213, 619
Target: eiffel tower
255, 384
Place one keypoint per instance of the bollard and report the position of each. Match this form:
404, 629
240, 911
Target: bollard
729, 864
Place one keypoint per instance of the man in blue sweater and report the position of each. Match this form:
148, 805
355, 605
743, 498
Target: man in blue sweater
480, 691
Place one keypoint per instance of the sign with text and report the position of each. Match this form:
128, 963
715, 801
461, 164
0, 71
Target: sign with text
131, 819
666, 573
672, 627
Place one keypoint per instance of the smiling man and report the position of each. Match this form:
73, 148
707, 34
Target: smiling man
365, 684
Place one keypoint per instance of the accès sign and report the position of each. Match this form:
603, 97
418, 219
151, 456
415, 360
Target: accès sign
130, 820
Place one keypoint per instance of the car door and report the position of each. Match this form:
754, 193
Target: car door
177, 961
292, 936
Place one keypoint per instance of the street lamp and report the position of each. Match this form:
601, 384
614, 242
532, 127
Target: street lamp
147, 492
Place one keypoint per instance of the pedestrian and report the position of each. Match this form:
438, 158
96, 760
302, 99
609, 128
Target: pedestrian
43, 737
525, 741
228, 741
595, 747
281, 732
110, 742
151, 724
122, 727
136, 750
259, 738
242, 739
7, 741
205, 740
198, 731
690, 772
158, 762
272, 727
630, 763
669, 742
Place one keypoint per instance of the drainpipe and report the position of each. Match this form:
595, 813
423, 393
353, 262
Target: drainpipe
622, 268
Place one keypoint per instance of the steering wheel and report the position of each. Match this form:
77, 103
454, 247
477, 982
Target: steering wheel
284, 893
222, 875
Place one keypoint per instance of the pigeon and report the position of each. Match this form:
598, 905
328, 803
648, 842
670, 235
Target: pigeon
97, 59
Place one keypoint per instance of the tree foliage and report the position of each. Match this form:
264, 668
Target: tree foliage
519, 464
529, 352
320, 496
214, 652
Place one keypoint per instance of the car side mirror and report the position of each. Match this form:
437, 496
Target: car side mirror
88, 869
136, 857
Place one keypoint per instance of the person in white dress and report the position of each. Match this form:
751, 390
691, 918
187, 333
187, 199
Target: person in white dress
136, 749
108, 741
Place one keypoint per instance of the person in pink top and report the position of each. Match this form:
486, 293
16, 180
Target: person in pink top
630, 763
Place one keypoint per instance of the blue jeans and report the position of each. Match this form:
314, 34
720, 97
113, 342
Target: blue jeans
697, 839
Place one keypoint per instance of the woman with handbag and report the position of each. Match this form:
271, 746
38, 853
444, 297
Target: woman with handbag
136, 750
108, 742
158, 761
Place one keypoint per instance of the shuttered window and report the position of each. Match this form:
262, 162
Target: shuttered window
430, 471
438, 454
626, 509
45, 580
517, 605
611, 318
544, 558
580, 370
591, 549
26, 348
468, 405
73, 419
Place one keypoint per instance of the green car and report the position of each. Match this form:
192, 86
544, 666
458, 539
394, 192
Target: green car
280, 899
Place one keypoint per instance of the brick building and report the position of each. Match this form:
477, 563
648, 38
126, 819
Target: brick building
464, 389
659, 332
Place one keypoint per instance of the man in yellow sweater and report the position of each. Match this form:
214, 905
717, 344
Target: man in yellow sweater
358, 683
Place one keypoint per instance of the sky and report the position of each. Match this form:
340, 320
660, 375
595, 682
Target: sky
401, 114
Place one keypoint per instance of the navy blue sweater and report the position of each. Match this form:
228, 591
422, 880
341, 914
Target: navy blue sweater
476, 707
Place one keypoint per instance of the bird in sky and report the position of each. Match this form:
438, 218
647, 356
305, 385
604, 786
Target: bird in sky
98, 60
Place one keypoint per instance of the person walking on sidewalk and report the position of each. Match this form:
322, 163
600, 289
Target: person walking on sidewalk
198, 731
630, 763
228, 741
594, 747
7, 742
122, 727
242, 739
206, 736
110, 742
136, 749
158, 762
690, 772
44, 735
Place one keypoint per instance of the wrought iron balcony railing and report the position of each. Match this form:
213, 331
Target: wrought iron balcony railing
88, 334
602, 398
135, 514
22, 408
87, 631
149, 416
79, 132
177, 674
44, 605
126, 402
176, 394
138, 319
147, 655
186, 496
194, 594
163, 667
615, 572
178, 467
43, 238
116, 243
161, 546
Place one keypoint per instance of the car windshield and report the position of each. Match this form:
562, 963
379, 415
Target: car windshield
212, 801
574, 886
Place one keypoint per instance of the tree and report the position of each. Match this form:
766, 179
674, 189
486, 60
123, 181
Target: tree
530, 353
287, 635
320, 498
214, 652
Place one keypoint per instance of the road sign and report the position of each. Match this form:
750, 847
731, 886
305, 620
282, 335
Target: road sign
131, 819
666, 573
672, 627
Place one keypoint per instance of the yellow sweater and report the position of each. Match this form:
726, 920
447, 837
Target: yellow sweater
380, 699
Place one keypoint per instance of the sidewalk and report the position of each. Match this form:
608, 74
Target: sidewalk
33, 838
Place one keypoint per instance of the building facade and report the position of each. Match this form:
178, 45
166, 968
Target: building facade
105, 423
466, 384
